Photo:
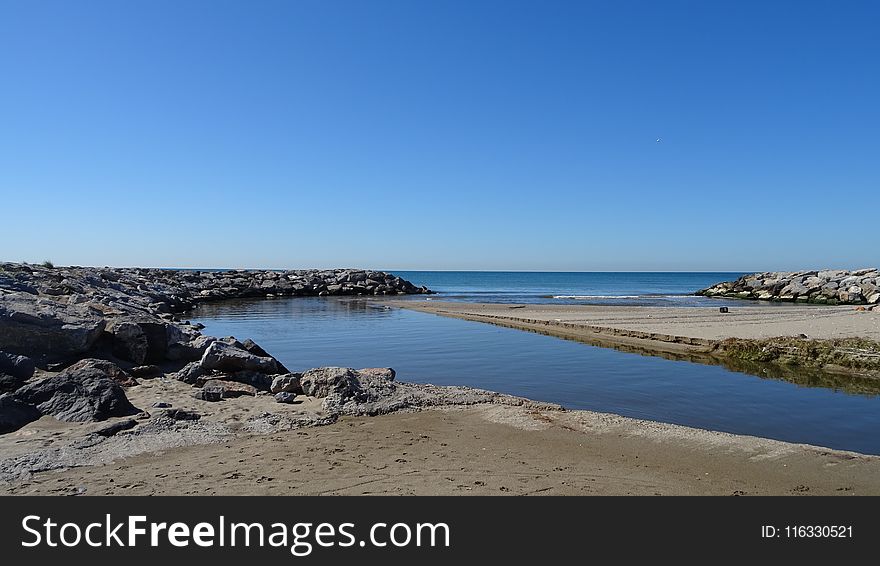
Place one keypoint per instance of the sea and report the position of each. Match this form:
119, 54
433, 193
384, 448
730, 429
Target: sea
355, 332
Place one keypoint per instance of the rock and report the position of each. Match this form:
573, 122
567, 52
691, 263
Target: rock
19, 367
146, 372
14, 371
210, 392
190, 373
161, 405
231, 389
181, 414
46, 330
113, 428
14, 414
287, 383
252, 348
223, 357
106, 367
320, 382
874, 299
129, 342
285, 397
139, 341
380, 373
823, 287
86, 394
190, 351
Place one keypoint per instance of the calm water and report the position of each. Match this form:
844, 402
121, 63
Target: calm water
655, 289
312, 332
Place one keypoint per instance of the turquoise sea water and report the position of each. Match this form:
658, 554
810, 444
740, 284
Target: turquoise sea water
357, 332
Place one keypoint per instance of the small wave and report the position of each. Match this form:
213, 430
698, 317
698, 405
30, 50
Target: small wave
598, 296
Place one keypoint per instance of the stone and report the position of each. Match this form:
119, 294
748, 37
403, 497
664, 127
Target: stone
231, 388
874, 299
146, 372
139, 341
190, 373
285, 397
108, 368
46, 330
114, 428
161, 405
211, 393
286, 383
251, 347
181, 414
14, 414
223, 357
87, 394
191, 350
385, 373
320, 382
20, 367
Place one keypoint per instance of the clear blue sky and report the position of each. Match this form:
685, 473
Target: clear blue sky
445, 134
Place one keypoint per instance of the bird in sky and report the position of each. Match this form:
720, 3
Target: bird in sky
659, 140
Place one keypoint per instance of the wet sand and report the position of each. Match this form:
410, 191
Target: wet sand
477, 450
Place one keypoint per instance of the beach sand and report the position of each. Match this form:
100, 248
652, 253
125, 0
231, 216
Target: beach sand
477, 450
669, 329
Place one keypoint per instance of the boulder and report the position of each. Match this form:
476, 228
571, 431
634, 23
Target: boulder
45, 329
181, 414
87, 394
285, 397
189, 351
14, 414
226, 358
114, 428
210, 392
14, 371
146, 372
190, 373
230, 389
261, 381
251, 347
20, 367
380, 373
286, 383
139, 341
106, 367
320, 382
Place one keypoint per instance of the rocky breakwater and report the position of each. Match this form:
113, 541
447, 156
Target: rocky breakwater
831, 287
73, 339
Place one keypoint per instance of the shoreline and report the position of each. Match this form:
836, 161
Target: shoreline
838, 341
480, 449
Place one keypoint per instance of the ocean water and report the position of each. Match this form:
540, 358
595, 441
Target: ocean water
358, 332
609, 288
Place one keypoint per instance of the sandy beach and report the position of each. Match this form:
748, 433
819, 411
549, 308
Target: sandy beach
483, 449
690, 331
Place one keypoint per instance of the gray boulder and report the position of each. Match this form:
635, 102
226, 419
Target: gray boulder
139, 341
320, 382
285, 397
190, 373
14, 414
83, 395
106, 367
287, 383
45, 329
14, 371
223, 357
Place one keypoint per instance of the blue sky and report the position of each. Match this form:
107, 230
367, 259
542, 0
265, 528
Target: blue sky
441, 135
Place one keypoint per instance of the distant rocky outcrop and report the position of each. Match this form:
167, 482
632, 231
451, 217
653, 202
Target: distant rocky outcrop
831, 287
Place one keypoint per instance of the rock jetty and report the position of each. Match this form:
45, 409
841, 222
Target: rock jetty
829, 287
73, 339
